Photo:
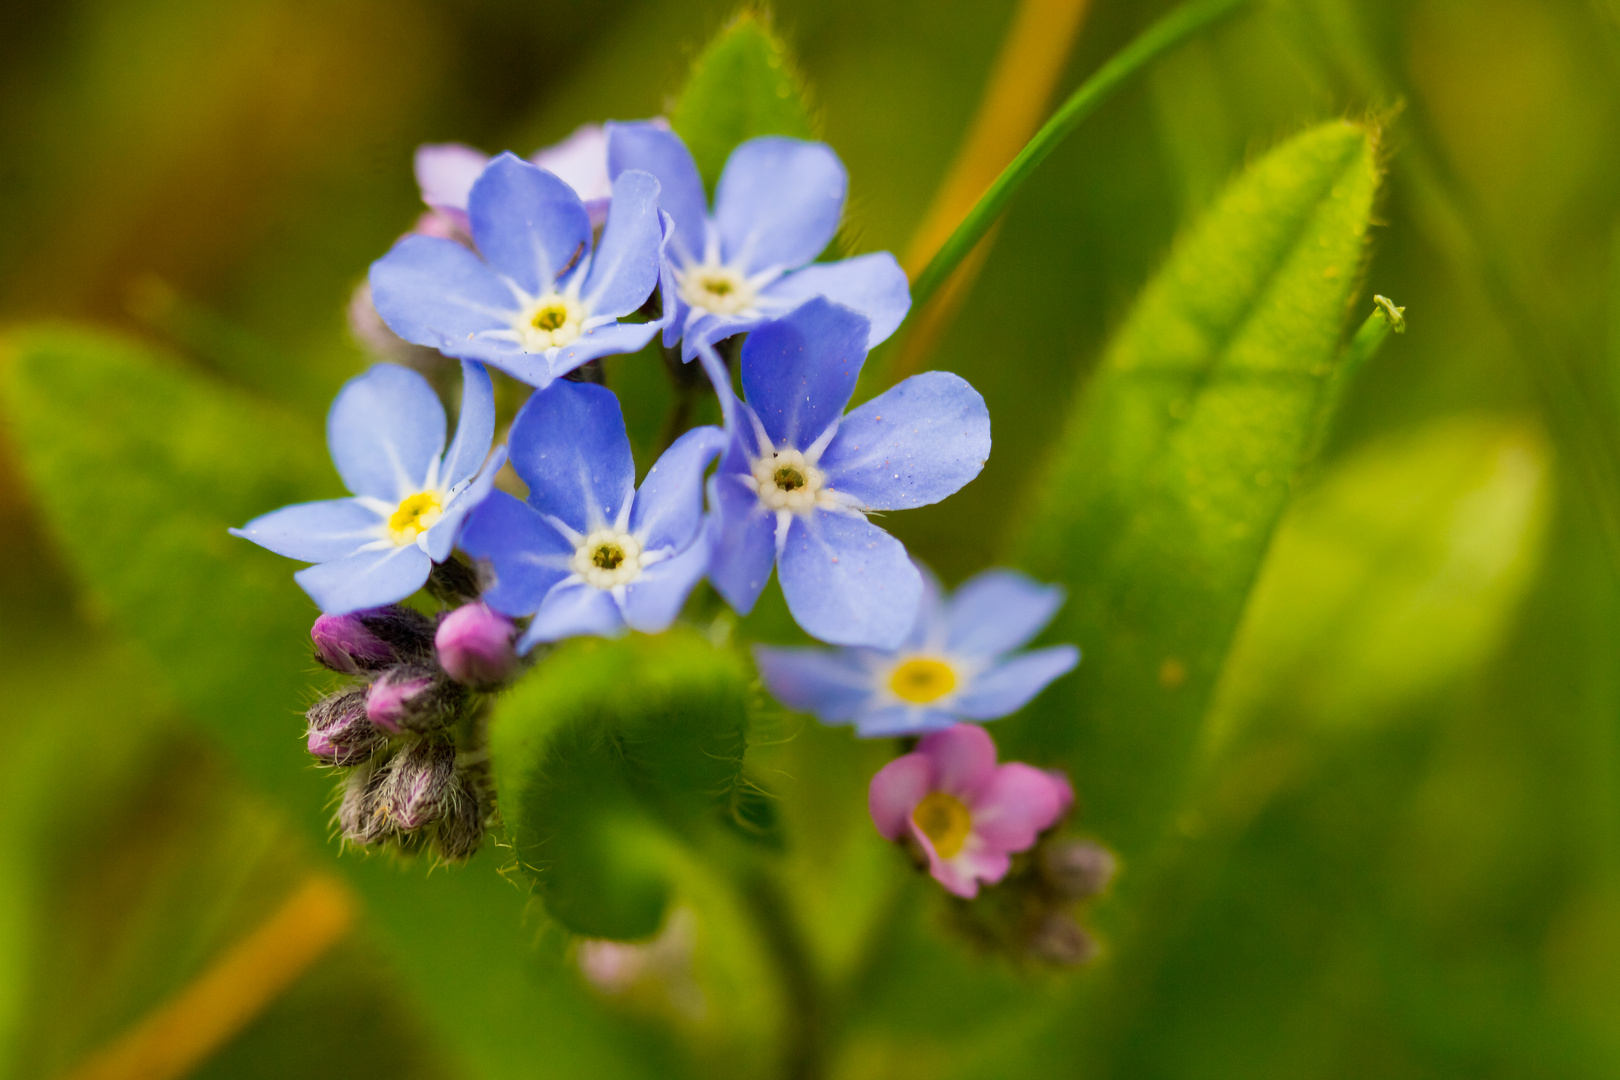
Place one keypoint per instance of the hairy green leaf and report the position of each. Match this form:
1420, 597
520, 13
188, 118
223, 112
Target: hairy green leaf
603, 756
140, 467
1178, 462
742, 86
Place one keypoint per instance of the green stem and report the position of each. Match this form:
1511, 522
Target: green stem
1158, 39
805, 1012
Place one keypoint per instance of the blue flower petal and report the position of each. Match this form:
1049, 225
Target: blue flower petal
745, 535
441, 538
892, 721
569, 445
624, 270
912, 445
657, 150
710, 329
436, 293
668, 511
835, 686
653, 600
528, 224
385, 430
873, 285
314, 531
998, 611
799, 372
847, 581
475, 431
778, 202
366, 580
526, 556
609, 340
573, 609
1009, 686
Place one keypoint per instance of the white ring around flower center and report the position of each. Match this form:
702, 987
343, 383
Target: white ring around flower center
786, 481
608, 557
553, 321
719, 290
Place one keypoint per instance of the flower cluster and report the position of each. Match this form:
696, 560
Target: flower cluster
408, 732
604, 245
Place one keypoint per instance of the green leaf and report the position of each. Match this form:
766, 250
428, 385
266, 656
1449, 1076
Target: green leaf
1394, 575
742, 86
602, 756
140, 467
1177, 464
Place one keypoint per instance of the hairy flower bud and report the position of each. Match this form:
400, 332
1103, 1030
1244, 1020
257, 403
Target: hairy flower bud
1058, 939
412, 697
1077, 868
421, 784
366, 641
475, 646
361, 817
461, 829
339, 731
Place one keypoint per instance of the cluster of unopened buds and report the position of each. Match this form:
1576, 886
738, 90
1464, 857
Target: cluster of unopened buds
538, 268
410, 733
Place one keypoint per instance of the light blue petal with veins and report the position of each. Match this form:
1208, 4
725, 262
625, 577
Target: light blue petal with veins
366, 580
526, 555
569, 445
778, 202
912, 445
385, 430
528, 225
873, 285
798, 372
624, 269
998, 611
847, 581
1009, 685
315, 531
573, 609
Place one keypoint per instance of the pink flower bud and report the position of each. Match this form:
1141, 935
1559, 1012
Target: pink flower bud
412, 698
475, 646
339, 731
365, 641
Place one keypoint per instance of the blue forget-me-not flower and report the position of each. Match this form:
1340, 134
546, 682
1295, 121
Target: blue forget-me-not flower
799, 476
536, 300
957, 663
386, 432
776, 208
588, 553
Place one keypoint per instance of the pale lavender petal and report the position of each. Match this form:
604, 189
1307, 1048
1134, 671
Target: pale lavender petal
580, 161
893, 721
446, 172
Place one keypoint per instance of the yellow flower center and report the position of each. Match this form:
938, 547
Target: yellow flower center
552, 322
717, 289
945, 821
786, 481
416, 515
922, 679
607, 558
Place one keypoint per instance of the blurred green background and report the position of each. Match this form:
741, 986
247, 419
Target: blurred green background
1415, 872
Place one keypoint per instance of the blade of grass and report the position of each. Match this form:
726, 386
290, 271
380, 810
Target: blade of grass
1158, 39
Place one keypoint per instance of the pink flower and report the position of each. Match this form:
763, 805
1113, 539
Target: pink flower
965, 811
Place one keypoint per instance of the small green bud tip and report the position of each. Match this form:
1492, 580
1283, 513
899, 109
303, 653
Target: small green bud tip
1396, 316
